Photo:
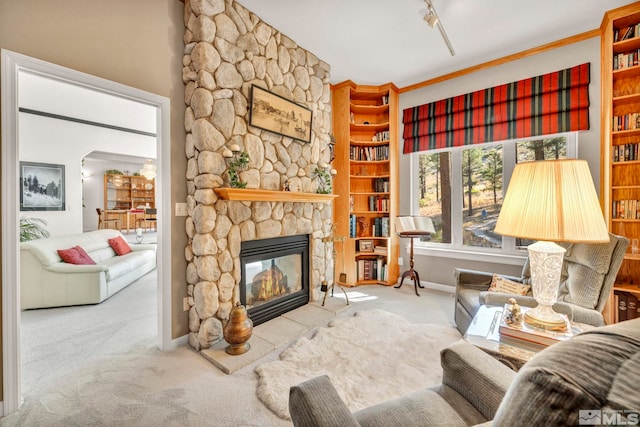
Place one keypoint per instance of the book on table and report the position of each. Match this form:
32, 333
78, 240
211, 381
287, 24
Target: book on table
414, 225
532, 337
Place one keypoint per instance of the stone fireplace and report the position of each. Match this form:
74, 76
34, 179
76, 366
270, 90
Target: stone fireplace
275, 276
228, 49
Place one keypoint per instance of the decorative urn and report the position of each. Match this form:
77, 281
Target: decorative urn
237, 330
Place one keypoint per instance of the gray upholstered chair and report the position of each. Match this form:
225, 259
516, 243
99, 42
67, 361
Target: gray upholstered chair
588, 274
594, 373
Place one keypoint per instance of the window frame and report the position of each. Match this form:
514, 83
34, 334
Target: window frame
508, 253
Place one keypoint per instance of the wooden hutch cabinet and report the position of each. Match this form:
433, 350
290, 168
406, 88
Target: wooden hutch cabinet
128, 192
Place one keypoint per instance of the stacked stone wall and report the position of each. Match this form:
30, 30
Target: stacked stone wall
228, 49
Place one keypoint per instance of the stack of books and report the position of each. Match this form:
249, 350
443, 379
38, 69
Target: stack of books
627, 305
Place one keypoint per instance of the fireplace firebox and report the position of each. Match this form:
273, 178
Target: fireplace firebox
275, 276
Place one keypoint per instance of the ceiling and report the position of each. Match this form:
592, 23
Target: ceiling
380, 41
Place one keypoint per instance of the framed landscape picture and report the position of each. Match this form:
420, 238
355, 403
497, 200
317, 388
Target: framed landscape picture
41, 187
276, 114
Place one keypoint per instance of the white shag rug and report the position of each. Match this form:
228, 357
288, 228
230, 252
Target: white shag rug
370, 358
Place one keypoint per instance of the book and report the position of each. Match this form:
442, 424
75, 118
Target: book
632, 306
414, 225
532, 337
622, 305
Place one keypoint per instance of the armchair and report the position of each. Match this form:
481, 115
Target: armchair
473, 385
588, 274
594, 373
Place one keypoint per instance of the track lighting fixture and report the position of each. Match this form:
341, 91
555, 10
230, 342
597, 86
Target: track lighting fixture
431, 18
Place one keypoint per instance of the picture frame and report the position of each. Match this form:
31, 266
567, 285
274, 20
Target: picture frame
274, 113
365, 245
42, 187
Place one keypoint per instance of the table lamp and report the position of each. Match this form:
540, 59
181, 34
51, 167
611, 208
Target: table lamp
550, 201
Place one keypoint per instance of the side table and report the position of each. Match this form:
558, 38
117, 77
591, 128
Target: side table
483, 332
411, 273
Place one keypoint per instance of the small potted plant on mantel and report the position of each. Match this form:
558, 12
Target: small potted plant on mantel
324, 180
235, 166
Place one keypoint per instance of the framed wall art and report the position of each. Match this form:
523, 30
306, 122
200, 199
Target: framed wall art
41, 187
277, 114
366, 245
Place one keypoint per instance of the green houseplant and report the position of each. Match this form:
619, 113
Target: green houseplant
32, 228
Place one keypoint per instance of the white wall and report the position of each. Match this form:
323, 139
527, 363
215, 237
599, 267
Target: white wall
48, 140
440, 270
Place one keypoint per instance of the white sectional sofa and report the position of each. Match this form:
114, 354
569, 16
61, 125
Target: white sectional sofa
47, 281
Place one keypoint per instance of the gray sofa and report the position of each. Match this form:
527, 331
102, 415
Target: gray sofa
596, 372
588, 274
47, 281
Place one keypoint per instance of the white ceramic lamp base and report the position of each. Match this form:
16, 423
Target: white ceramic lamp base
546, 264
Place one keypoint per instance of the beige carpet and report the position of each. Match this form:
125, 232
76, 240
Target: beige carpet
371, 357
98, 365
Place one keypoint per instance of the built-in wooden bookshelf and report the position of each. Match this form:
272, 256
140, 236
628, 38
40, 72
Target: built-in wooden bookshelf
365, 125
124, 192
620, 164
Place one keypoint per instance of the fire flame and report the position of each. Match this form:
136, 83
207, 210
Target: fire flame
271, 284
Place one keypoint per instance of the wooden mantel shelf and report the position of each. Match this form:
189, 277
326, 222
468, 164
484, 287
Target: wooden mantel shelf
254, 195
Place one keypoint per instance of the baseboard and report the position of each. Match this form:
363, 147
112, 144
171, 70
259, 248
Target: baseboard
438, 287
178, 342
431, 285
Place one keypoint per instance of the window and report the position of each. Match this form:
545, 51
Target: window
461, 189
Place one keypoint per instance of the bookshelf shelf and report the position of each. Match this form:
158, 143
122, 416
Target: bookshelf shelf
628, 132
620, 183
369, 109
368, 194
355, 162
369, 127
369, 143
625, 187
368, 212
371, 193
624, 99
367, 176
626, 45
626, 163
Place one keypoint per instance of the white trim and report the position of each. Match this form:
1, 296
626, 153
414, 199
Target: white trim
178, 342
11, 393
163, 182
467, 253
12, 63
507, 254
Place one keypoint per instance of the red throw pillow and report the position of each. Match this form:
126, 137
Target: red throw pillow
87, 260
120, 245
73, 256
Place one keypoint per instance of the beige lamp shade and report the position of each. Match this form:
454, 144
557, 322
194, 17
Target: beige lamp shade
552, 200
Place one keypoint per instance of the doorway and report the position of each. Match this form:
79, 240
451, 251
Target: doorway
12, 65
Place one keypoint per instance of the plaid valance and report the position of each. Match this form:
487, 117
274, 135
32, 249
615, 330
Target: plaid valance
547, 104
